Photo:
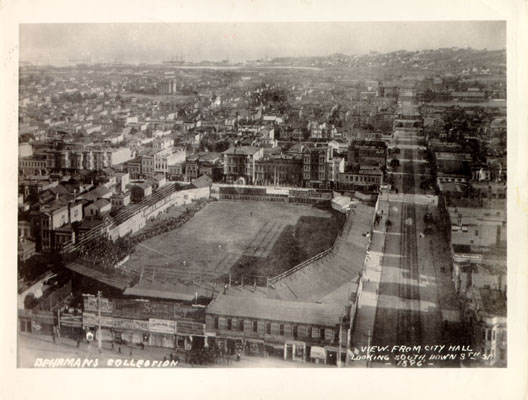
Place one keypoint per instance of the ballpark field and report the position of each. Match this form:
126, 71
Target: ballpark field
239, 238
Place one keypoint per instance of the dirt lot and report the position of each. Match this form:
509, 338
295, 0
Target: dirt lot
241, 238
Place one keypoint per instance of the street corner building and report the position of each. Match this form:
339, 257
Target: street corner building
292, 330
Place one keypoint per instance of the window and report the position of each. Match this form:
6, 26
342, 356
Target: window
281, 329
295, 331
215, 321
229, 324
476, 232
489, 335
322, 334
255, 326
268, 328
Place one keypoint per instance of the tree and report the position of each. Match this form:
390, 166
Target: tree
30, 301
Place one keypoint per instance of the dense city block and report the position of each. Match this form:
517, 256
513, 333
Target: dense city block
305, 211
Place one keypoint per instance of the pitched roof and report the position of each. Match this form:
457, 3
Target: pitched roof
277, 310
101, 203
96, 193
157, 291
202, 181
243, 150
116, 282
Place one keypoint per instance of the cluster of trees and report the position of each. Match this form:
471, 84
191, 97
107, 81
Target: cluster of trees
74, 97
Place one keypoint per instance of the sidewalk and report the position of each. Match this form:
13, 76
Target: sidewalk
32, 347
366, 314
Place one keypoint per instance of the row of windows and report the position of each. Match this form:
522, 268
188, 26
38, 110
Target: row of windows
315, 332
278, 168
38, 164
357, 178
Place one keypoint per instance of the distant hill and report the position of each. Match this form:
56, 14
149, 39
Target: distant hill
439, 59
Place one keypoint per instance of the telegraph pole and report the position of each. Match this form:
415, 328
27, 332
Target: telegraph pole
100, 336
339, 352
368, 346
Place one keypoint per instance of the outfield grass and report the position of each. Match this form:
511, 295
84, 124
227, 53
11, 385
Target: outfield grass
241, 238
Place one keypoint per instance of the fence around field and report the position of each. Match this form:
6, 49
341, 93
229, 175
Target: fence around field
346, 228
300, 266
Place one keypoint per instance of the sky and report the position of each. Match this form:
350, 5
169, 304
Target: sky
59, 44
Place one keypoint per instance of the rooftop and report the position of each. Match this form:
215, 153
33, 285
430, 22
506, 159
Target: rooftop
278, 310
244, 150
490, 301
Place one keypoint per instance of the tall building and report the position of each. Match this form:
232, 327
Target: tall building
279, 170
239, 163
315, 167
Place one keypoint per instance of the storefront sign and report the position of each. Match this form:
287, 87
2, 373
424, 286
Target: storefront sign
146, 309
24, 313
45, 317
91, 304
460, 257
190, 328
106, 321
73, 321
318, 352
90, 320
130, 324
162, 326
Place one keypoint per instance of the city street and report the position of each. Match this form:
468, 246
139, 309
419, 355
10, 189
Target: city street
415, 288
34, 347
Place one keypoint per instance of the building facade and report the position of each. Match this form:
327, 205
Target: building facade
298, 331
239, 163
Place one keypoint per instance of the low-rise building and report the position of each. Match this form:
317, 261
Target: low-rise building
477, 227
293, 330
367, 152
98, 208
365, 179
485, 322
139, 191
33, 165
120, 200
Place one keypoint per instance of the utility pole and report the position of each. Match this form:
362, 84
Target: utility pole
100, 336
368, 347
339, 352
58, 322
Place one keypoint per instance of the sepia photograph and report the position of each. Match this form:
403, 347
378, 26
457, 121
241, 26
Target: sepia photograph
262, 201
305, 194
